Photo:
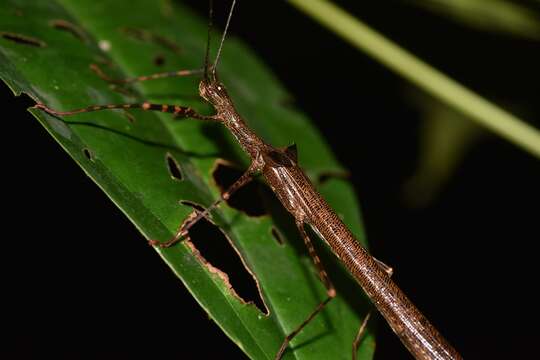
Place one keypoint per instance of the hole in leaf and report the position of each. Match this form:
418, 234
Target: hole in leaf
88, 154
196, 206
22, 39
248, 198
122, 90
174, 168
71, 28
129, 116
219, 255
278, 236
159, 60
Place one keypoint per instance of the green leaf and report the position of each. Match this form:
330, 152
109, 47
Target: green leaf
45, 52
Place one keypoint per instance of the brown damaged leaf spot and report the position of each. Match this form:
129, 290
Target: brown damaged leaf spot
215, 250
22, 39
129, 116
249, 198
69, 27
150, 37
123, 90
174, 167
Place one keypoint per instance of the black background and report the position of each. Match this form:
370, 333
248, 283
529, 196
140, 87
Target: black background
468, 260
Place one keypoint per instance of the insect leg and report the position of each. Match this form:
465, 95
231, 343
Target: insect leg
95, 68
330, 290
178, 111
183, 230
361, 331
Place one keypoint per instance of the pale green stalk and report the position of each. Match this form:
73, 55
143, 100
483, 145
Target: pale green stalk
423, 75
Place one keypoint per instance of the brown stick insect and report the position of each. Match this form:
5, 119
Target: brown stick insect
279, 167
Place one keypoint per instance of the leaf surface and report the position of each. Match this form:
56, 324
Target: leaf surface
45, 52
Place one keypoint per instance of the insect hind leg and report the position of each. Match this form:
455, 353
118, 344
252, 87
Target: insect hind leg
184, 228
323, 275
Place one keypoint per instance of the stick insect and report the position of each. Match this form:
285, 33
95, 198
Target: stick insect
279, 167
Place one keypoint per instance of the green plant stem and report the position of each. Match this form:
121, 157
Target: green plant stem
423, 75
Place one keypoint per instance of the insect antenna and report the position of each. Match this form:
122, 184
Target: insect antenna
207, 55
223, 39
